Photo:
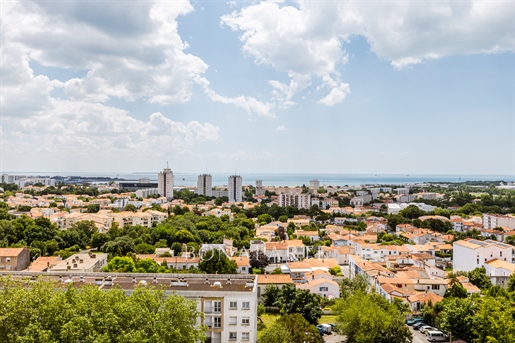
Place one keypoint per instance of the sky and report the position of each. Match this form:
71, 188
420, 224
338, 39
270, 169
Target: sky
346, 87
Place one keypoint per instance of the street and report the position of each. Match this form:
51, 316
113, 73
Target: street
417, 336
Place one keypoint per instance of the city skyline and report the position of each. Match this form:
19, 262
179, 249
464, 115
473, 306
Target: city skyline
278, 87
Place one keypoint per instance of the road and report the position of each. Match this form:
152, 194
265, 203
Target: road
417, 336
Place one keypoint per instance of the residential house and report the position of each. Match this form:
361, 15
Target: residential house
14, 259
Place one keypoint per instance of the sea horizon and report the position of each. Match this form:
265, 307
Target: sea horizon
184, 179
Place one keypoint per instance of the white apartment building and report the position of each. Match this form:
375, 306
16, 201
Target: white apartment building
297, 200
499, 271
401, 191
145, 193
82, 263
205, 185
469, 254
165, 183
234, 188
259, 188
405, 197
491, 221
228, 302
314, 184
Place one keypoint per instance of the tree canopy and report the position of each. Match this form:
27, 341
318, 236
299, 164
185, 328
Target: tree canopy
43, 312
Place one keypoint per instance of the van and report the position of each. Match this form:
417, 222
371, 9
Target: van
436, 336
327, 328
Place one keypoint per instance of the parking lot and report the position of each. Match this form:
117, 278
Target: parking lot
417, 336
333, 338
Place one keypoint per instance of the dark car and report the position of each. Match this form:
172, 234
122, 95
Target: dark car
418, 325
414, 321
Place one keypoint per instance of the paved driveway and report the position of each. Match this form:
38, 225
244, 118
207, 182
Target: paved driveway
334, 338
417, 336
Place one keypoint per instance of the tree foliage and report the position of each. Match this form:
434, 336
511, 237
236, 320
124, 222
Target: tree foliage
369, 318
291, 328
215, 261
258, 259
293, 300
42, 312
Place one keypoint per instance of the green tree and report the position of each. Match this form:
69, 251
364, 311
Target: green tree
120, 264
144, 248
369, 318
478, 278
495, 321
131, 208
271, 295
215, 261
511, 283
44, 312
457, 318
293, 300
120, 246
93, 208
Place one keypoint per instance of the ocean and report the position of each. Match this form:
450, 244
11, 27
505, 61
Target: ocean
289, 179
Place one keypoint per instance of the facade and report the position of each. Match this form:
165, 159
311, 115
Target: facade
145, 193
205, 185
165, 183
314, 184
499, 271
14, 259
234, 188
491, 221
297, 200
471, 253
259, 188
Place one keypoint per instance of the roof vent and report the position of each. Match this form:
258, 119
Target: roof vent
154, 280
217, 284
207, 281
229, 281
133, 279
99, 282
108, 281
143, 282
68, 280
81, 278
60, 279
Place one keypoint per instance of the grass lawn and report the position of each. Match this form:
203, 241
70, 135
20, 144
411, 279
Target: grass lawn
327, 319
270, 318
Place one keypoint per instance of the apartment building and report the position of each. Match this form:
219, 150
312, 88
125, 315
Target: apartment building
228, 302
491, 221
165, 183
472, 253
234, 188
297, 200
205, 185
14, 259
82, 262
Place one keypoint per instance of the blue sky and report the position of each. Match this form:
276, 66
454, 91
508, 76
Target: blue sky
295, 86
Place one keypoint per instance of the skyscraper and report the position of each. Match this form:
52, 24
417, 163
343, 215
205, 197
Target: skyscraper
259, 187
205, 185
165, 183
234, 188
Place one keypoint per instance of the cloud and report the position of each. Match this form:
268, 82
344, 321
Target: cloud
281, 128
85, 129
305, 39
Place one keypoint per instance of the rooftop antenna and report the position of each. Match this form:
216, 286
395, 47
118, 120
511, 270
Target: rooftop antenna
166, 164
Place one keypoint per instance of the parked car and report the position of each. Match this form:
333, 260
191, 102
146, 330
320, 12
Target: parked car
320, 330
436, 336
414, 321
427, 328
326, 327
418, 325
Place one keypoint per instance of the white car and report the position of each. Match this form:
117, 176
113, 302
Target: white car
426, 328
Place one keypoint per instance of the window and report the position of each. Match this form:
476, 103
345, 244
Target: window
232, 335
8, 259
245, 305
245, 336
477, 261
233, 321
217, 322
324, 289
500, 253
435, 287
217, 306
245, 321
233, 305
